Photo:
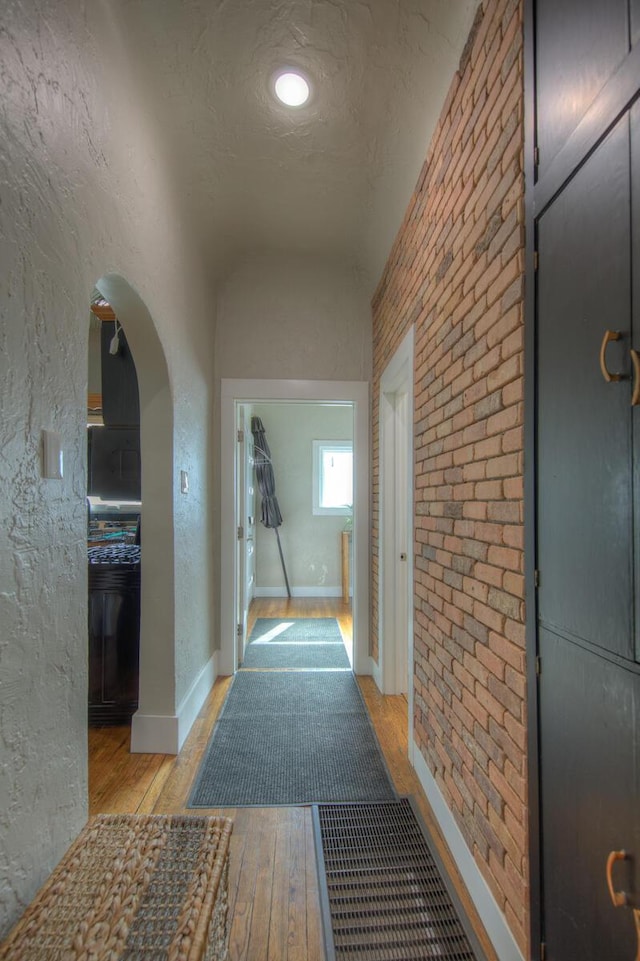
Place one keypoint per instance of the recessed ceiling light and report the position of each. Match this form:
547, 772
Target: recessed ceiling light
291, 88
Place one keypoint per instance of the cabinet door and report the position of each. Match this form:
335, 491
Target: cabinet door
589, 711
589, 687
579, 44
585, 540
114, 632
635, 299
120, 397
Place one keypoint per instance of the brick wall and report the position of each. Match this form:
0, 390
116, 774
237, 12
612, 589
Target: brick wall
456, 273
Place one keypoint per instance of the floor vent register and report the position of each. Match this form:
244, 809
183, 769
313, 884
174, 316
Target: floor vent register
383, 894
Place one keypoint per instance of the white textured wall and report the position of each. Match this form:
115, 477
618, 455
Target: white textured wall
83, 195
290, 317
294, 317
310, 542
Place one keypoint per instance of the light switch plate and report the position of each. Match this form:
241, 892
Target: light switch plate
184, 482
52, 461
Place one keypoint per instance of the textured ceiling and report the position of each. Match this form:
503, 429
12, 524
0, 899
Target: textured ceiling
332, 177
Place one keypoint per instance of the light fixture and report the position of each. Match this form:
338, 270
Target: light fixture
291, 88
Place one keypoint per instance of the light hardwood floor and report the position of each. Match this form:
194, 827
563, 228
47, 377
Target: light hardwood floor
273, 887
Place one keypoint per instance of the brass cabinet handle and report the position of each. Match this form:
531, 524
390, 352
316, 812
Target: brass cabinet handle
635, 397
619, 898
609, 335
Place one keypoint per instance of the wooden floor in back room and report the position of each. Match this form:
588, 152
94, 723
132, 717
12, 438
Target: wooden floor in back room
273, 886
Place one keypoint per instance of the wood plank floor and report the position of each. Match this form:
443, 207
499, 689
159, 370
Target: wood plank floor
273, 887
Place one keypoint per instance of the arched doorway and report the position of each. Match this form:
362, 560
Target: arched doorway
154, 726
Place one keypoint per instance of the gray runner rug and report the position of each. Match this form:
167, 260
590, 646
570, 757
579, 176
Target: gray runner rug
296, 643
290, 739
296, 629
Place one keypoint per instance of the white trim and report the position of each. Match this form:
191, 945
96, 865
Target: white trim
165, 734
195, 698
397, 379
318, 448
298, 592
490, 914
253, 391
154, 734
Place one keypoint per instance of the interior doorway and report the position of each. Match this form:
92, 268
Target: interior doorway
238, 397
113, 520
395, 614
154, 726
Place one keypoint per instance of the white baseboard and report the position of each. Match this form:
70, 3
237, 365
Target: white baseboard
154, 734
191, 704
490, 914
166, 733
298, 592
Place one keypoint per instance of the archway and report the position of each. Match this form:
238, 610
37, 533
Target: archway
154, 726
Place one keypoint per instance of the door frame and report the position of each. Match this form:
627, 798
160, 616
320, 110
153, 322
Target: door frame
235, 391
396, 524
530, 491
243, 471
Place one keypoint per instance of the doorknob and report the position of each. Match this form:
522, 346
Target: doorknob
609, 335
621, 899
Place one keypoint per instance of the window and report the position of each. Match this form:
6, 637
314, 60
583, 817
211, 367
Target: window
332, 476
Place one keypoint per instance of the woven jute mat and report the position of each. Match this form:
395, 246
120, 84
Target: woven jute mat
133, 887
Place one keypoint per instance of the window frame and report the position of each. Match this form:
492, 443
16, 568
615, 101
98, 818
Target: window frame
319, 447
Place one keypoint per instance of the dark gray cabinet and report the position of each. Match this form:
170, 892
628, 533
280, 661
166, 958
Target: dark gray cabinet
586, 212
579, 46
120, 398
114, 641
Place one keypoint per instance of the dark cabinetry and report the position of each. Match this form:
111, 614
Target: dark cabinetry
587, 228
580, 43
120, 400
114, 463
114, 630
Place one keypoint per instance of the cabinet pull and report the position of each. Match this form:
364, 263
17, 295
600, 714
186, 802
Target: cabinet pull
635, 397
619, 898
609, 335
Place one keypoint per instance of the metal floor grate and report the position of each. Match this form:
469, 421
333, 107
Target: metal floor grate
385, 898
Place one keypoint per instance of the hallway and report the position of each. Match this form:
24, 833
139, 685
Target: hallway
273, 888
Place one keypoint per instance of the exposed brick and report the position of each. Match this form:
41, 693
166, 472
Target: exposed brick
455, 273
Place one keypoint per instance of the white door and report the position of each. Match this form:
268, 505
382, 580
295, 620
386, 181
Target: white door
245, 514
395, 613
401, 546
249, 521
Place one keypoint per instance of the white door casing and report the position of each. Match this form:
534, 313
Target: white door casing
395, 593
235, 392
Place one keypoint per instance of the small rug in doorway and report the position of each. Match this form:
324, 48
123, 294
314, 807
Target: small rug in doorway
296, 630
383, 891
290, 739
302, 643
